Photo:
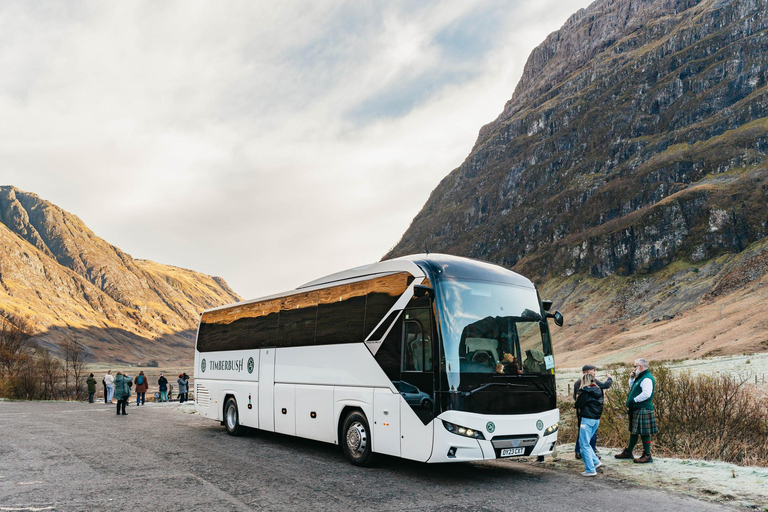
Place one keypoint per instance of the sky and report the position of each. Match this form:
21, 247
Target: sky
269, 143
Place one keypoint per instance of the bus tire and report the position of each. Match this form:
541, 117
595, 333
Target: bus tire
232, 418
356, 439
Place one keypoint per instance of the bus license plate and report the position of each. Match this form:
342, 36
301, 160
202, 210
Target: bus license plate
511, 452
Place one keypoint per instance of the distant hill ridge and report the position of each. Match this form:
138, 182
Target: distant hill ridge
632, 155
73, 284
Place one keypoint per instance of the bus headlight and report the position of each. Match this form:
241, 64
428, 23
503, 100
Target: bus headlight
552, 429
463, 431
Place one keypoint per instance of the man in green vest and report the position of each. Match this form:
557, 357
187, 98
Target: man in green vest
642, 420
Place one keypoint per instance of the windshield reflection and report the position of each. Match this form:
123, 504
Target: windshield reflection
493, 329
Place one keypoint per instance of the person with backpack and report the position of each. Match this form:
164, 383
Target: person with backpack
162, 383
141, 388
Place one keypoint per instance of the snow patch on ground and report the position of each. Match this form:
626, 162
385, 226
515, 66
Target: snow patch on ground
713, 481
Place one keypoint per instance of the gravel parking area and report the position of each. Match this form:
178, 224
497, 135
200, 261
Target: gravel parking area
78, 456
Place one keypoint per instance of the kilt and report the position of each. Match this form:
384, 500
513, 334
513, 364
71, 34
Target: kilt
643, 422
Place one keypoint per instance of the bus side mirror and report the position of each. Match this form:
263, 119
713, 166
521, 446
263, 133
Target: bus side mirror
558, 318
420, 291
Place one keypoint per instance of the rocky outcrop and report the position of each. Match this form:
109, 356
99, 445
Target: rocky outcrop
635, 142
71, 283
637, 136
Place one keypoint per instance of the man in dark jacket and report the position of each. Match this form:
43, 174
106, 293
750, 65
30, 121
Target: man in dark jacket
162, 383
588, 368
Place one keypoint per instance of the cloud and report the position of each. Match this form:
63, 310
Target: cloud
266, 143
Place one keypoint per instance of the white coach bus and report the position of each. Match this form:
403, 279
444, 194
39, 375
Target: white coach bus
432, 358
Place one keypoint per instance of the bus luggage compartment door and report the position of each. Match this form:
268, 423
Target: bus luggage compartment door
267, 389
386, 422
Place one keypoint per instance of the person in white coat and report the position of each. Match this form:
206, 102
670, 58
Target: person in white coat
109, 379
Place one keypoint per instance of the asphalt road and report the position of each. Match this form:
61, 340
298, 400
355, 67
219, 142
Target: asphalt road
77, 456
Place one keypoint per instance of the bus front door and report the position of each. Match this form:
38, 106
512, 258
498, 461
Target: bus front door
416, 385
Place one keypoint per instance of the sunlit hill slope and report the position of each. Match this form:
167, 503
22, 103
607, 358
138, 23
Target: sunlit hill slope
72, 284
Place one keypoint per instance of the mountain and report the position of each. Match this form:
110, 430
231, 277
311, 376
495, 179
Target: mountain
627, 175
71, 284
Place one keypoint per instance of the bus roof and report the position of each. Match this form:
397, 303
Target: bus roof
439, 265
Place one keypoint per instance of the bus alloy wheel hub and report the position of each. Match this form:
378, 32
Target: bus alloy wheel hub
356, 438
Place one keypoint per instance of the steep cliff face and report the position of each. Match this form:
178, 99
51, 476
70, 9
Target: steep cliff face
71, 283
636, 139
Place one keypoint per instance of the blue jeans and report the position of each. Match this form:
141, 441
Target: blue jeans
587, 429
592, 442
140, 398
163, 396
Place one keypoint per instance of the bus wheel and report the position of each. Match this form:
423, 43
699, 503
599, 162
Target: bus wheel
232, 418
356, 440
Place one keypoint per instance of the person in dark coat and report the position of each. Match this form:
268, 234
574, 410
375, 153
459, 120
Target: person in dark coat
91, 382
141, 388
186, 386
590, 403
162, 383
588, 368
182, 388
122, 391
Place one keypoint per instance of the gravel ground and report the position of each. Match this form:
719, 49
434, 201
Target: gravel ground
78, 456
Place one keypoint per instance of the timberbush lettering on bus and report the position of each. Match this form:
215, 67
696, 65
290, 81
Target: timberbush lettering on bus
339, 314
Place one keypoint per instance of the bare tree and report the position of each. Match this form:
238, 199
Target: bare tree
74, 364
50, 372
16, 353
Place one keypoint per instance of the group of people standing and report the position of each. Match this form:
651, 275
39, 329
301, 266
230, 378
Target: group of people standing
119, 387
588, 393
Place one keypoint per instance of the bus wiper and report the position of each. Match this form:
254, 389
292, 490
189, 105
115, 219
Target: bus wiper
487, 384
543, 387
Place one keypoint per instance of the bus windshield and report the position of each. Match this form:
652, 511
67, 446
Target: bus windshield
493, 329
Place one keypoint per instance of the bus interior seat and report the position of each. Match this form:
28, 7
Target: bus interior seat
420, 352
485, 344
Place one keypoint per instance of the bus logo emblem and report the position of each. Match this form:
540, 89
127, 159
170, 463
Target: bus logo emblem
490, 427
250, 365
539, 424
202, 365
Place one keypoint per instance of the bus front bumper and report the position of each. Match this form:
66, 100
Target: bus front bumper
505, 436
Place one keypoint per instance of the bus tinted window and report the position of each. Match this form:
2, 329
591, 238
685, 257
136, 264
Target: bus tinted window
339, 314
383, 293
340, 322
389, 353
298, 316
